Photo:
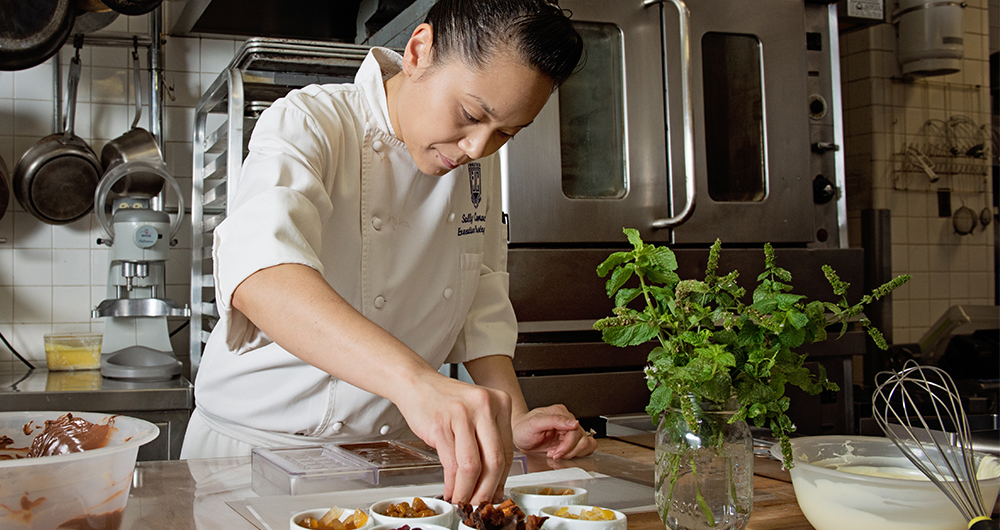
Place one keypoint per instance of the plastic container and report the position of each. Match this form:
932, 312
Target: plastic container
833, 499
73, 351
349, 466
87, 489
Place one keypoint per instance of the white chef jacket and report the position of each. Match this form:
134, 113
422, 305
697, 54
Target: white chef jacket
328, 185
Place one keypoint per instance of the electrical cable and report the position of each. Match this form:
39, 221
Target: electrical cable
18, 355
179, 328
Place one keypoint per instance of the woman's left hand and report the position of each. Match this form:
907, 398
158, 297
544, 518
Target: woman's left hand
553, 430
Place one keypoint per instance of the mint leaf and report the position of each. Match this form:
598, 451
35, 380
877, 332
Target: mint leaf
618, 279
633, 237
632, 335
613, 261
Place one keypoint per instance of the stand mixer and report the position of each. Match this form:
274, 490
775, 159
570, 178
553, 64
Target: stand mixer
136, 344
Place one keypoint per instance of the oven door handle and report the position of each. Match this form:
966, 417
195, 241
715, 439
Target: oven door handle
686, 116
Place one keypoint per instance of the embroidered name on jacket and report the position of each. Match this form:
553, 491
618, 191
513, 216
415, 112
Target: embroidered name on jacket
473, 223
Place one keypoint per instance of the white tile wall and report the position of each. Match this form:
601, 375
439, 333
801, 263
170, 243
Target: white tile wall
52, 276
947, 268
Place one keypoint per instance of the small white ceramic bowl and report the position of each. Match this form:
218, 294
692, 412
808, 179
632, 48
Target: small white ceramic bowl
418, 526
531, 502
555, 522
320, 512
445, 513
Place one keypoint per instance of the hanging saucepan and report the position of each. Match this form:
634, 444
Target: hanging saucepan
132, 7
31, 31
91, 16
4, 192
964, 220
136, 144
55, 180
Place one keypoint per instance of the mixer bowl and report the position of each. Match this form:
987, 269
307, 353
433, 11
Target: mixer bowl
87, 489
833, 499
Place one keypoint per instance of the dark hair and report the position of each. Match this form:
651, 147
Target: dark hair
536, 30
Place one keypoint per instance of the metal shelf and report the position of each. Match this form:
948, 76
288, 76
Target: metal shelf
261, 72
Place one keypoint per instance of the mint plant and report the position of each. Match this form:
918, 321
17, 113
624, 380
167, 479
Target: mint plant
710, 345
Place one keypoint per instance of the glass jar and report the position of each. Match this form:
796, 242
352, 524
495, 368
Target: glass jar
704, 467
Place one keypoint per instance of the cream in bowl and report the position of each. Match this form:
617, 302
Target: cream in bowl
413, 511
866, 483
331, 519
531, 499
583, 517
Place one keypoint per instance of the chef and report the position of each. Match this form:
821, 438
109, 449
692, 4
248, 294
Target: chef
366, 247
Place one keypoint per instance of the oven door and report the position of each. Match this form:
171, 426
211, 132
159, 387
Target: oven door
688, 121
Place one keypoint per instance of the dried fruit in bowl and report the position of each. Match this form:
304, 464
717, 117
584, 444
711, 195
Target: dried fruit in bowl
505, 516
549, 490
593, 514
331, 520
403, 509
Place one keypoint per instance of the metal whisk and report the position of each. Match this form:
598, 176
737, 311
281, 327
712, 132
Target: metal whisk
945, 457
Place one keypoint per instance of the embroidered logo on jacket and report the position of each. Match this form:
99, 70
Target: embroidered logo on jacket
475, 183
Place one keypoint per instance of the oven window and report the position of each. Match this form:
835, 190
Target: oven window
591, 118
734, 117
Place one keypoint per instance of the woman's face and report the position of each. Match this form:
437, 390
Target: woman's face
449, 114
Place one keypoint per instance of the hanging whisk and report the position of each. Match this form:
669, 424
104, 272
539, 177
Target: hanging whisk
945, 457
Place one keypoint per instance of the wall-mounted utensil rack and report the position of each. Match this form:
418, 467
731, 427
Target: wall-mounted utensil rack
956, 153
262, 71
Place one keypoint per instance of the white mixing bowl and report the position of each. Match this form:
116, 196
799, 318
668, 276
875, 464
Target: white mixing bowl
89, 486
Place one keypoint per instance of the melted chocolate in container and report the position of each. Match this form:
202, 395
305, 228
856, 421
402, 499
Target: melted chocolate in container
66, 434
70, 435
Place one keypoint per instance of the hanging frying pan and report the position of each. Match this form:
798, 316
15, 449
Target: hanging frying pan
91, 16
56, 179
31, 31
132, 7
4, 192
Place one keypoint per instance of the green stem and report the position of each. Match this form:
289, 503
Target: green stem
709, 518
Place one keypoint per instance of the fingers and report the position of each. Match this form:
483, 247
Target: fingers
474, 442
495, 446
445, 447
466, 467
584, 445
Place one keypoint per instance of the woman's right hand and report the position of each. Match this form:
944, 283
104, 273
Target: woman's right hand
470, 428
468, 425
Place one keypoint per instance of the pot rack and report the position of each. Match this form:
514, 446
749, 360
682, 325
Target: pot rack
153, 42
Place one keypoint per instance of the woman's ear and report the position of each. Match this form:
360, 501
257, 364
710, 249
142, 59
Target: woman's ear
417, 53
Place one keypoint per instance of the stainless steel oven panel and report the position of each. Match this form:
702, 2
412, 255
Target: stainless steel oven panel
664, 146
785, 212
540, 211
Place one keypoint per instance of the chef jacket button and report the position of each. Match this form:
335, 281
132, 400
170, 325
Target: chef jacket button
451, 217
379, 302
384, 430
339, 426
377, 145
377, 223
447, 293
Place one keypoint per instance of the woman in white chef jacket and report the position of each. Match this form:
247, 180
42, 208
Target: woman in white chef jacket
366, 248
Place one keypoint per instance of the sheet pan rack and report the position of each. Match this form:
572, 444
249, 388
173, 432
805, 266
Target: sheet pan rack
262, 71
